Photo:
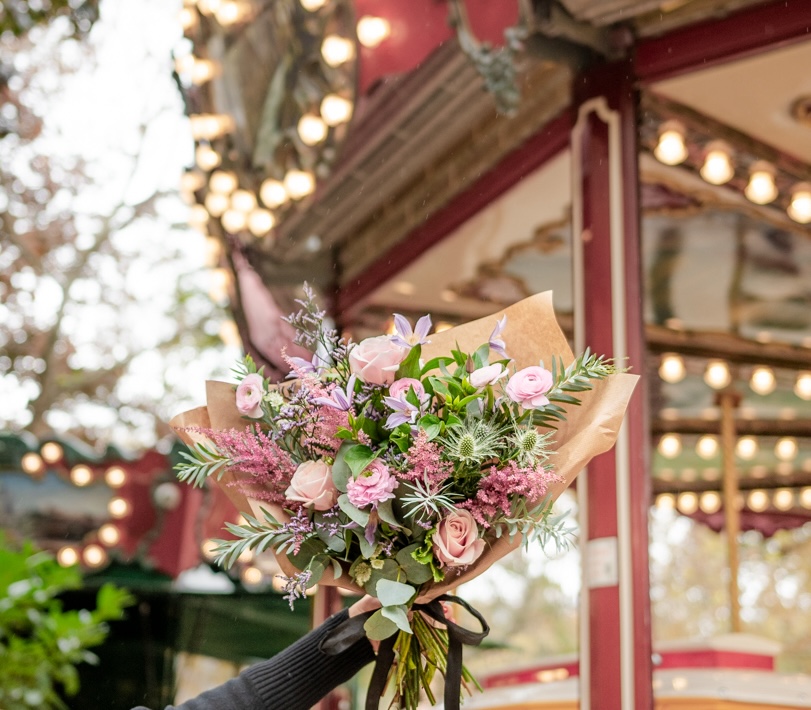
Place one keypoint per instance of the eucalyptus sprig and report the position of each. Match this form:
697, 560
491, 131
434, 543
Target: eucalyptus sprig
537, 524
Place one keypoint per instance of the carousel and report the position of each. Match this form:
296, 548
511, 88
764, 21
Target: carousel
647, 160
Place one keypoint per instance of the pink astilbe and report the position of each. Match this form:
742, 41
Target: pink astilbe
254, 453
425, 461
496, 489
320, 436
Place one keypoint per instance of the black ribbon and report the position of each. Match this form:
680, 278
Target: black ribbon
351, 631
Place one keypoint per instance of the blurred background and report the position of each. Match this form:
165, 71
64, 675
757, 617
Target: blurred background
172, 172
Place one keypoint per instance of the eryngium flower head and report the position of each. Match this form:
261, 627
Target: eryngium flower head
473, 441
531, 447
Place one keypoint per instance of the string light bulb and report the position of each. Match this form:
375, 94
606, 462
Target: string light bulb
671, 148
373, 30
670, 446
118, 508
717, 168
335, 109
216, 204
188, 18
273, 193
761, 188
672, 369
710, 502
707, 447
207, 126
115, 476
260, 222
223, 181
746, 448
717, 374
109, 534
786, 449
94, 555
51, 452
687, 503
312, 129
758, 501
762, 381
67, 556
234, 221
81, 475
229, 13
783, 499
799, 208
802, 387
32, 463
337, 50
299, 184
206, 157
313, 5
243, 201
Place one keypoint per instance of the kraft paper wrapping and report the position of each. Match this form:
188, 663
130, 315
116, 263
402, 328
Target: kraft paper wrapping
532, 334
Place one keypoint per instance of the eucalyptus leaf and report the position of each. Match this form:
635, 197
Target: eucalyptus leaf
341, 473
399, 615
361, 517
384, 510
366, 550
378, 627
393, 593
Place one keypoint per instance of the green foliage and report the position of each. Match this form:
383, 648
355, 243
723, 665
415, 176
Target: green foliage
40, 644
203, 461
18, 17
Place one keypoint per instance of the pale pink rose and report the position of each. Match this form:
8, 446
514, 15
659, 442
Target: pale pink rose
529, 386
487, 375
249, 396
374, 485
375, 360
456, 540
399, 388
312, 485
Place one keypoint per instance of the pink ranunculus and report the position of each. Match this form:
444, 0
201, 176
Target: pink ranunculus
249, 396
312, 485
374, 485
488, 375
399, 388
529, 386
375, 360
456, 540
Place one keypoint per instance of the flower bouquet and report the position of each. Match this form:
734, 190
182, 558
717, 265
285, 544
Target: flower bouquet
404, 465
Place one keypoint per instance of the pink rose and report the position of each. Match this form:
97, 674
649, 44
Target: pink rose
375, 360
529, 386
374, 485
249, 396
399, 388
456, 540
312, 485
488, 375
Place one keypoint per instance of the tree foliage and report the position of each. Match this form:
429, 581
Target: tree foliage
40, 643
18, 16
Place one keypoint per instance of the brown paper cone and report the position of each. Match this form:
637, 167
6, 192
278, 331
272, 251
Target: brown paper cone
532, 335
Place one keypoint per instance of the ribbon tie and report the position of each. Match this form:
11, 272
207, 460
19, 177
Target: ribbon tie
350, 631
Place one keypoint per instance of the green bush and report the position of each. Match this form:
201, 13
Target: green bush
40, 644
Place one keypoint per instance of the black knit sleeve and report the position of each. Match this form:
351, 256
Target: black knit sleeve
294, 679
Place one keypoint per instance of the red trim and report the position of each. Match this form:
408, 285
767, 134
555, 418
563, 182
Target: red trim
742, 34
516, 165
716, 659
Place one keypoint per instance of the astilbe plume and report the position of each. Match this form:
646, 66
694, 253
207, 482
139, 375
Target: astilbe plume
256, 454
320, 436
424, 460
500, 484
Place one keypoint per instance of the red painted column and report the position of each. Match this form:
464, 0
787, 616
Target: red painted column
615, 636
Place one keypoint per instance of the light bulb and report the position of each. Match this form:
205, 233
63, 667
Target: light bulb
209, 549
203, 70
216, 203
758, 501
223, 181
229, 13
786, 449
783, 499
666, 501
198, 217
717, 374
687, 503
192, 180
67, 556
260, 222
373, 30
746, 448
335, 109
710, 502
118, 508
313, 5
252, 577
762, 381
273, 193
32, 463
51, 452
94, 556
671, 149
234, 221
312, 129
81, 475
206, 157
800, 207
717, 168
207, 126
671, 369
115, 476
802, 387
243, 201
299, 184
707, 447
208, 7
337, 50
670, 446
761, 188
109, 534
805, 498
188, 18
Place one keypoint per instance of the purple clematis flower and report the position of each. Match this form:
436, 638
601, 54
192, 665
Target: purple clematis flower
305, 366
496, 343
340, 399
404, 412
407, 338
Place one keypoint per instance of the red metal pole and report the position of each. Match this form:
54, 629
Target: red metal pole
615, 648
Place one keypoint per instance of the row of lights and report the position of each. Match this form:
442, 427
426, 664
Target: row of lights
746, 448
758, 501
718, 169
718, 376
255, 573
